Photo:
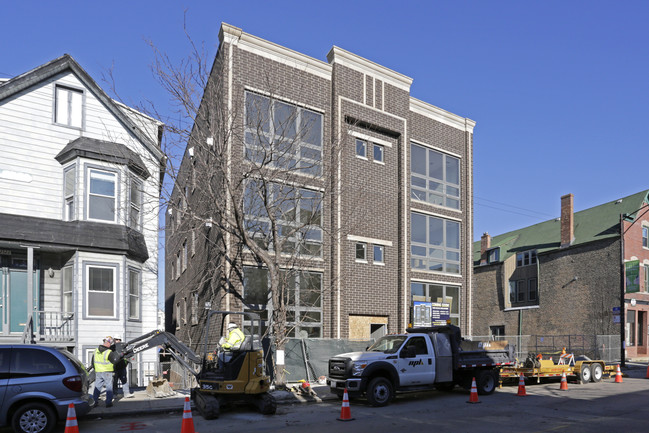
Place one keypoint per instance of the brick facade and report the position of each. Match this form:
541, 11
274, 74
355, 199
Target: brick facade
366, 200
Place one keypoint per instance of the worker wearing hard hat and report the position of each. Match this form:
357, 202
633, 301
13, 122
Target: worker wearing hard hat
232, 342
235, 337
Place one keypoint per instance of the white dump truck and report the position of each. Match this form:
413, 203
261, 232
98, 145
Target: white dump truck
422, 358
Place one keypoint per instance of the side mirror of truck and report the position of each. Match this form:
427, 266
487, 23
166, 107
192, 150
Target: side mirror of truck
409, 352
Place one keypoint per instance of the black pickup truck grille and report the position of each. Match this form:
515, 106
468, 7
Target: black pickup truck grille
340, 368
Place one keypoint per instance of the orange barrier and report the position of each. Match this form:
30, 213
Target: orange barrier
71, 425
521, 386
473, 398
564, 382
345, 411
188, 421
618, 375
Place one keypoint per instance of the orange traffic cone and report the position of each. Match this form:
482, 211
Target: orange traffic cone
521, 386
618, 375
564, 383
345, 411
71, 425
188, 421
647, 376
473, 398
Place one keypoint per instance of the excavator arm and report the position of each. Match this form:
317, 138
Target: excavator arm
175, 347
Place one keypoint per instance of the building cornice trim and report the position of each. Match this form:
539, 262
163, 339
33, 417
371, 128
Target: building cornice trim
358, 63
440, 115
256, 45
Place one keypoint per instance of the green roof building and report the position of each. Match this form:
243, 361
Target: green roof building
574, 275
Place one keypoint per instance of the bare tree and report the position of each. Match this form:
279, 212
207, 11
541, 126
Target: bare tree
249, 189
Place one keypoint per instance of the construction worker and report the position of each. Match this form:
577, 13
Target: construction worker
235, 337
103, 360
119, 374
232, 342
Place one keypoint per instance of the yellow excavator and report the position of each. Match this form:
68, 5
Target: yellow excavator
222, 381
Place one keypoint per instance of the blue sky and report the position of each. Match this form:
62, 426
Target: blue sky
558, 88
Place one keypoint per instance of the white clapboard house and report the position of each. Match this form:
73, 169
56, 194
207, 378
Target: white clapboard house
80, 178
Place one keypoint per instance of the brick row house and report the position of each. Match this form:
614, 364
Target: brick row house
583, 274
80, 176
392, 176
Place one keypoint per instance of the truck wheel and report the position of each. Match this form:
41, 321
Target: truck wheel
379, 392
487, 381
584, 374
597, 372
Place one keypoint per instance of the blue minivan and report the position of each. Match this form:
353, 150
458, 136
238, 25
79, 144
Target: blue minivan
37, 383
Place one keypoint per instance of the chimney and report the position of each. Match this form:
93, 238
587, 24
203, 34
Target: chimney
485, 244
567, 220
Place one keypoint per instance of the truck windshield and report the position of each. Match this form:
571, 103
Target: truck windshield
388, 344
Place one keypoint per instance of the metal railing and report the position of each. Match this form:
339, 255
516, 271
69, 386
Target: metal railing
48, 326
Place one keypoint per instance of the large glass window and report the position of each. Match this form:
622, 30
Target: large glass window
101, 290
297, 211
69, 180
101, 195
278, 134
69, 107
134, 283
425, 292
435, 244
303, 291
645, 237
435, 177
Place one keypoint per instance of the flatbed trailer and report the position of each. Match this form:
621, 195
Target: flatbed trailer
584, 370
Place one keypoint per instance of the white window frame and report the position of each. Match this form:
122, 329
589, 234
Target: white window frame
135, 206
300, 154
645, 237
113, 269
69, 106
308, 238
381, 249
67, 293
90, 194
436, 256
360, 247
360, 148
526, 258
69, 207
381, 150
134, 297
420, 189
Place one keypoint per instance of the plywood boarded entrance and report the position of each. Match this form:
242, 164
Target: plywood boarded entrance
367, 327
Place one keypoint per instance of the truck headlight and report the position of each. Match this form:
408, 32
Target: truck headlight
358, 367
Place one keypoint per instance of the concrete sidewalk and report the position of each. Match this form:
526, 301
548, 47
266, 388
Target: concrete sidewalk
142, 403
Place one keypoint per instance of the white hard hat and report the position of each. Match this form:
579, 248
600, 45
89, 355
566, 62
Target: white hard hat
117, 337
232, 325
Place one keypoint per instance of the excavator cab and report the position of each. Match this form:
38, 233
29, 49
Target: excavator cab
240, 378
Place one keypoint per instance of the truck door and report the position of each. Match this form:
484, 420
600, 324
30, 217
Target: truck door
416, 363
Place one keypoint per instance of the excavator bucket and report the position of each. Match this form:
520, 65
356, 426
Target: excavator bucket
158, 388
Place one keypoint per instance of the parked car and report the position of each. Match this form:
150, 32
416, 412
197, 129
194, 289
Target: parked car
37, 383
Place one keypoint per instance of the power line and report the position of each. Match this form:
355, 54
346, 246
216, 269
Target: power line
515, 207
538, 217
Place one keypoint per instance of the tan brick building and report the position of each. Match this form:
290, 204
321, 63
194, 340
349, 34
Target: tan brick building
394, 174
566, 277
